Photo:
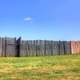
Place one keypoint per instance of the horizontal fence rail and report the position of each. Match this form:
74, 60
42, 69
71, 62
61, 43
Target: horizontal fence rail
12, 47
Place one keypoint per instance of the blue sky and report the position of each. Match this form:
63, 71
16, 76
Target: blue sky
40, 19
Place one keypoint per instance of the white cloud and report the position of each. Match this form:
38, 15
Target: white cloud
28, 19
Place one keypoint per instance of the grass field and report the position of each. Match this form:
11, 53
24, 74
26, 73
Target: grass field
40, 68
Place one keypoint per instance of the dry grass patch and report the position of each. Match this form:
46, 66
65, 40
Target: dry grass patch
40, 68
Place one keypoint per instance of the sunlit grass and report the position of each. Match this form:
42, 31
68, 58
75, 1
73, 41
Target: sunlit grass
40, 68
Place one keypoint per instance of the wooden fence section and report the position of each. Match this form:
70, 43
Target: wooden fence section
61, 47
55, 47
17, 47
10, 46
67, 47
0, 46
7, 47
44, 48
75, 47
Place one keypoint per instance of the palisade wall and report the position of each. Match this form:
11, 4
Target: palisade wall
75, 47
8, 47
16, 47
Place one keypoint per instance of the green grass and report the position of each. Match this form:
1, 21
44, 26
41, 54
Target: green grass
65, 67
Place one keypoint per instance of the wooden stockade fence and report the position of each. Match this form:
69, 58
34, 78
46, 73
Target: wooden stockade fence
16, 47
8, 47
